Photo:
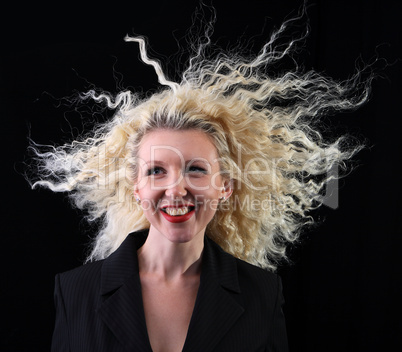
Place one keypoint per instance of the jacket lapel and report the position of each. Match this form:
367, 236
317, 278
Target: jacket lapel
122, 309
216, 309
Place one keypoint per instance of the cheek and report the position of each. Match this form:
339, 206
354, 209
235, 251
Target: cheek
209, 185
207, 208
149, 198
148, 207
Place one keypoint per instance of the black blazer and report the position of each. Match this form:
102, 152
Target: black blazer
99, 305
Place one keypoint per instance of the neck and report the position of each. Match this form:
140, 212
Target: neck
170, 260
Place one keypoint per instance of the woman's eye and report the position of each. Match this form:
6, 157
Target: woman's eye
196, 169
155, 171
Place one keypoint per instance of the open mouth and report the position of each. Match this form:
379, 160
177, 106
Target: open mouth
178, 211
178, 214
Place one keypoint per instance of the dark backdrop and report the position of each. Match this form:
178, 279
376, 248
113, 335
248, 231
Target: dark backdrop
342, 291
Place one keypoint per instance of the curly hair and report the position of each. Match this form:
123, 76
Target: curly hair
266, 132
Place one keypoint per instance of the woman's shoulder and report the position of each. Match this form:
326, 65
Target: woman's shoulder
249, 274
260, 276
85, 274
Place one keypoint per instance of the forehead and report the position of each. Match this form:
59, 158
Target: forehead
188, 144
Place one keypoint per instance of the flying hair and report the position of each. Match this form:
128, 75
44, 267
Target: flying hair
144, 57
266, 129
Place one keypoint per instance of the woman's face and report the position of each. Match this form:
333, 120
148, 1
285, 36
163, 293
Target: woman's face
179, 182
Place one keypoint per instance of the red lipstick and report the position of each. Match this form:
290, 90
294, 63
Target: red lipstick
177, 218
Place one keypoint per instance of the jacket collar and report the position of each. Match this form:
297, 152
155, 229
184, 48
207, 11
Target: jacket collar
122, 264
215, 311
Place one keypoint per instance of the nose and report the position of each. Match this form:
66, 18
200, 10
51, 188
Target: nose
177, 188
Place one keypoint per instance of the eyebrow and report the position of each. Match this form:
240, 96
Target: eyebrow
186, 162
156, 162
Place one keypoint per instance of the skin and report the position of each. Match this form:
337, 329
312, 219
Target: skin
177, 168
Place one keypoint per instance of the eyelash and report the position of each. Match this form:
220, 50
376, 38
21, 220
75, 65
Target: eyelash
195, 169
152, 170
198, 169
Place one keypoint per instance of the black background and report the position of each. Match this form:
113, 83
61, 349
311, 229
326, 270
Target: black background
343, 291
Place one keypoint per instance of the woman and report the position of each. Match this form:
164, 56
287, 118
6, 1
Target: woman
200, 188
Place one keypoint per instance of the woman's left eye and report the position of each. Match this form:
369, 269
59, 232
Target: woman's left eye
196, 169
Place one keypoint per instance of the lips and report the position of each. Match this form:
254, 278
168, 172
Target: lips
176, 214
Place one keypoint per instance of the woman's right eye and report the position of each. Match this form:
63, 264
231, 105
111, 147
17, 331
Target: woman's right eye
155, 171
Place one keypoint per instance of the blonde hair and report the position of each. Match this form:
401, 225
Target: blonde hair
265, 131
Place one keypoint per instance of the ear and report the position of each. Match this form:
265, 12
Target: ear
227, 188
135, 192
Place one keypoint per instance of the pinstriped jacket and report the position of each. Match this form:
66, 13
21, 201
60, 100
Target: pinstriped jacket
99, 306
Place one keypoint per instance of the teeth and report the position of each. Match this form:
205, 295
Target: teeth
177, 211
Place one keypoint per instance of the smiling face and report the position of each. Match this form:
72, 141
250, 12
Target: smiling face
179, 183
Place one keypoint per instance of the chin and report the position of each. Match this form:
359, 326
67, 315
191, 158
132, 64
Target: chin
192, 229
180, 236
